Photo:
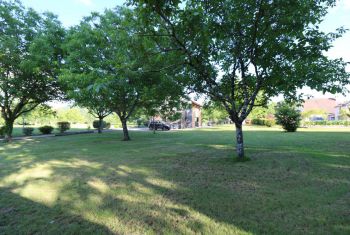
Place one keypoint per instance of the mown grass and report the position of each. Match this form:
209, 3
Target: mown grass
181, 182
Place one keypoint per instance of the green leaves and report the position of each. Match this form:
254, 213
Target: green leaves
30, 58
288, 116
111, 63
235, 49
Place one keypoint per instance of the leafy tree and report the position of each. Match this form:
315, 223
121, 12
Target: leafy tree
72, 115
234, 50
79, 88
41, 114
124, 72
263, 111
30, 58
288, 116
213, 113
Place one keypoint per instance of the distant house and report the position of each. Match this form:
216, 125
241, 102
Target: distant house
338, 109
192, 117
327, 105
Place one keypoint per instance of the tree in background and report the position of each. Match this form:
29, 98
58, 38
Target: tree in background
234, 50
213, 113
79, 88
72, 115
42, 114
30, 59
348, 112
107, 55
288, 116
263, 112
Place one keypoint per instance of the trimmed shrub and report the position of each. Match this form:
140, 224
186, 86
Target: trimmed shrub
63, 126
105, 125
46, 130
27, 131
263, 122
326, 123
288, 116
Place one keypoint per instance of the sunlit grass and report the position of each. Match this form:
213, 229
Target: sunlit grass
178, 183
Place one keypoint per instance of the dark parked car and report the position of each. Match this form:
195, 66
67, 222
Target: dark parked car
158, 125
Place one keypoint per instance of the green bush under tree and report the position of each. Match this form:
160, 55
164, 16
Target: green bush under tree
97, 124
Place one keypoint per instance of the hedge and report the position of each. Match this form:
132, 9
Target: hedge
263, 122
326, 123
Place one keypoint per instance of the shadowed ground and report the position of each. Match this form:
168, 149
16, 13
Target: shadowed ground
177, 182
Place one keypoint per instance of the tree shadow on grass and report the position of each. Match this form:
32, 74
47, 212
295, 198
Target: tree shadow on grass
189, 187
19, 215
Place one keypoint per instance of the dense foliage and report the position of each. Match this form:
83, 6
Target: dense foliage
235, 51
30, 59
27, 131
63, 126
213, 114
288, 116
110, 67
100, 125
46, 129
263, 122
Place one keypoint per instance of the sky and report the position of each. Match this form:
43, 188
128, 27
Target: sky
70, 12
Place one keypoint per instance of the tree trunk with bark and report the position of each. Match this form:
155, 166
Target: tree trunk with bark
8, 130
100, 121
125, 130
154, 125
239, 141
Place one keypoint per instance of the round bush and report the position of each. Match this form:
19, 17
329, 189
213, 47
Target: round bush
288, 116
63, 126
46, 130
105, 125
27, 131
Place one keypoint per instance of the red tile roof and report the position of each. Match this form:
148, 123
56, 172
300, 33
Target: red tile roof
326, 104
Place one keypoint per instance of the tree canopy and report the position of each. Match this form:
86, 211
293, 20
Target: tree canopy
111, 66
30, 60
235, 50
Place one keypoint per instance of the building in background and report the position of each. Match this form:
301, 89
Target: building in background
341, 111
319, 109
192, 116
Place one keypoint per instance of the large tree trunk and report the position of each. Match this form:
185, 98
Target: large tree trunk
100, 120
239, 141
125, 130
154, 125
8, 130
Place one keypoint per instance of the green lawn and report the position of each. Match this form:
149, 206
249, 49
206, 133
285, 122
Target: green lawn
181, 182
